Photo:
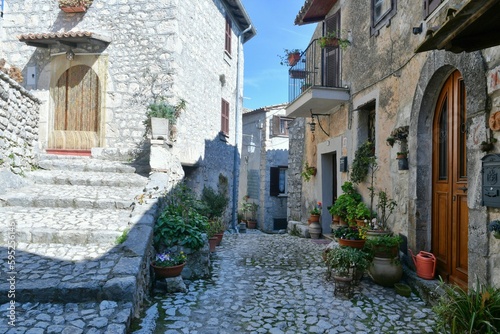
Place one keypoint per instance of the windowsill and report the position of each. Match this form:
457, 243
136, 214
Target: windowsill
283, 195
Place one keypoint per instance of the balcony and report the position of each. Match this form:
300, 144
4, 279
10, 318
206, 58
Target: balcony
315, 84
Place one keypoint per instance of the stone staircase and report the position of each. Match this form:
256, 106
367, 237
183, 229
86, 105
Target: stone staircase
67, 220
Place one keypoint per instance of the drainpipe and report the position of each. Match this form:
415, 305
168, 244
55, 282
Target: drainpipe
236, 159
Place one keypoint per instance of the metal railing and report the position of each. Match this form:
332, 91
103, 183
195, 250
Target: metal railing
316, 67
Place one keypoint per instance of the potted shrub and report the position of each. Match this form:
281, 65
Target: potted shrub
494, 226
74, 6
331, 39
359, 213
386, 246
165, 114
290, 57
349, 198
252, 221
308, 172
350, 236
169, 264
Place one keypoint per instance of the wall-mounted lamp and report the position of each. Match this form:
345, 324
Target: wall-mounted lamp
70, 55
259, 125
417, 30
312, 125
250, 146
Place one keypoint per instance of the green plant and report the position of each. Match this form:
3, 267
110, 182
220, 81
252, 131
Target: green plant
345, 260
295, 231
475, 311
160, 108
316, 210
122, 238
215, 226
332, 37
385, 208
363, 158
215, 202
349, 233
168, 259
390, 140
384, 244
253, 207
360, 211
349, 198
308, 172
285, 56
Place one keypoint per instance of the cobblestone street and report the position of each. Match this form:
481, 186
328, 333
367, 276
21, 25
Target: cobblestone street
276, 284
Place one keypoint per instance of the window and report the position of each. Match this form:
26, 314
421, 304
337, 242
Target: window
228, 35
224, 117
280, 126
277, 186
382, 12
430, 6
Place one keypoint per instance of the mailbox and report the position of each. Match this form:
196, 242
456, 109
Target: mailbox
343, 164
491, 180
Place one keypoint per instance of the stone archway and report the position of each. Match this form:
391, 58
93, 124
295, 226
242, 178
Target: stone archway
438, 66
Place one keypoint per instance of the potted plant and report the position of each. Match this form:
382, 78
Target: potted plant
252, 221
218, 227
290, 57
488, 145
359, 213
315, 212
494, 226
350, 236
169, 264
74, 6
386, 246
314, 225
349, 198
331, 39
308, 172
363, 159
402, 155
164, 113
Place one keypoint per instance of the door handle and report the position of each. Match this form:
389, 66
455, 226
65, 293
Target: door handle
464, 189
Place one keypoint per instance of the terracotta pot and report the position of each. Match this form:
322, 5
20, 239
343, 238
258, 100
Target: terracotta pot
74, 9
165, 272
252, 224
360, 222
359, 244
332, 42
314, 218
335, 219
219, 238
315, 230
212, 242
293, 58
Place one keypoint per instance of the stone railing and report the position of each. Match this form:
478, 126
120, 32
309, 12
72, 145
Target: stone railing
19, 115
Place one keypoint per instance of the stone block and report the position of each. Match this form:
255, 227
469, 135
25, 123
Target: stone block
301, 228
120, 288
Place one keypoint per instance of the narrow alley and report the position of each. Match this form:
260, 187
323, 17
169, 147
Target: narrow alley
276, 283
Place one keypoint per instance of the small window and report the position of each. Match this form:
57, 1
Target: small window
430, 6
224, 118
280, 126
382, 12
229, 32
278, 184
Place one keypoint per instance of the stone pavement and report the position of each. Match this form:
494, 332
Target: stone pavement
59, 246
276, 284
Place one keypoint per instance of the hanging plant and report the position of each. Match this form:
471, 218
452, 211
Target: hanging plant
308, 172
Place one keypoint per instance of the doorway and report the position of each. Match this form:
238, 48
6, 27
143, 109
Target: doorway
450, 212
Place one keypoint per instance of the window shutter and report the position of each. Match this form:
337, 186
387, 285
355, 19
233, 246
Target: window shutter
429, 6
276, 125
332, 54
228, 35
274, 187
224, 118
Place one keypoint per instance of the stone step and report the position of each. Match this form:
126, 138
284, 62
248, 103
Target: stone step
71, 196
66, 273
84, 164
100, 179
64, 225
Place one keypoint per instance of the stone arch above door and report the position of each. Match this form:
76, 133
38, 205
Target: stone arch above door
438, 66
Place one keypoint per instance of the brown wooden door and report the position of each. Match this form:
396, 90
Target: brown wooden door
76, 110
450, 213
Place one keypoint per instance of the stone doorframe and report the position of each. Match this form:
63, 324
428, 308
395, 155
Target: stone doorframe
437, 68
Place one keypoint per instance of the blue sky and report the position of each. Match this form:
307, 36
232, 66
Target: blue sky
266, 81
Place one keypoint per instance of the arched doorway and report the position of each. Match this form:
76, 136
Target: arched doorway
449, 183
76, 110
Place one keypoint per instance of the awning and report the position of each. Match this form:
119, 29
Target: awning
314, 11
69, 38
473, 27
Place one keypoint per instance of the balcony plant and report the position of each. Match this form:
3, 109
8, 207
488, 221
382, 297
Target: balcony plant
290, 57
75, 6
331, 39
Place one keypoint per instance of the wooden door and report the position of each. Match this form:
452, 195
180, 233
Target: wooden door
76, 110
450, 213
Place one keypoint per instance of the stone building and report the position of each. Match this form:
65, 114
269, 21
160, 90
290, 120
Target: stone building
428, 70
95, 72
264, 165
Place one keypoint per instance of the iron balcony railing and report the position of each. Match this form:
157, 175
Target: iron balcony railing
316, 67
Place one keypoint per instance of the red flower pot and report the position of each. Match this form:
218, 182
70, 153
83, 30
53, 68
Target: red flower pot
219, 238
164, 272
352, 243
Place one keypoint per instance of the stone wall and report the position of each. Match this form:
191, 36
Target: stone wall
18, 126
295, 163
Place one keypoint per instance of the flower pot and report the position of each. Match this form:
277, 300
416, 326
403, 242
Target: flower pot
385, 272
370, 234
165, 272
314, 218
252, 224
219, 238
74, 9
335, 220
331, 42
360, 222
315, 230
359, 244
293, 58
212, 242
343, 285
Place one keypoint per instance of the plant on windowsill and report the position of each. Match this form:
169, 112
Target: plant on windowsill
308, 172
402, 155
290, 57
332, 40
74, 6
494, 226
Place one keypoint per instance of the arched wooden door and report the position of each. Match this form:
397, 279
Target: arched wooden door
450, 213
76, 110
